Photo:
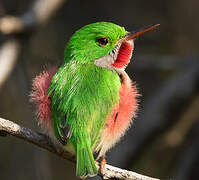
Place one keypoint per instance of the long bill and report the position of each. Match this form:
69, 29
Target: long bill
140, 31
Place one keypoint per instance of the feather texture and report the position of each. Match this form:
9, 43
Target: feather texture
82, 95
120, 118
40, 98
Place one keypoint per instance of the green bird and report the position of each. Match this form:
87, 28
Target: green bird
89, 101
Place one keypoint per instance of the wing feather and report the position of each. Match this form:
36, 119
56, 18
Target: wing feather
82, 95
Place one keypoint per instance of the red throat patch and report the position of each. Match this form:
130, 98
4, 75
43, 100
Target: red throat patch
124, 55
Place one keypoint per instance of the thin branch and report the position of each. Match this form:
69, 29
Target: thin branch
43, 141
11, 24
8, 57
45, 9
118, 173
39, 13
38, 139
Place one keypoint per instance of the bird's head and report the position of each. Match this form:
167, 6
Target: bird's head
105, 44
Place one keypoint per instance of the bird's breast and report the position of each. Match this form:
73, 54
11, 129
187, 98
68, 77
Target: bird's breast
120, 118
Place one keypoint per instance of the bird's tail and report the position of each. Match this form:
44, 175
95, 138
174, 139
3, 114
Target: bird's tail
85, 165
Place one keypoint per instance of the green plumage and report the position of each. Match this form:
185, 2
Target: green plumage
83, 45
82, 94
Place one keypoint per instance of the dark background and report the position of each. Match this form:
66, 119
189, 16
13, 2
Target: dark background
163, 142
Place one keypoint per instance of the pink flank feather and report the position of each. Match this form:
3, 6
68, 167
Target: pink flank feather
120, 118
119, 121
40, 98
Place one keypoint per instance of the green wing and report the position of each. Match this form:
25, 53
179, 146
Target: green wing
82, 95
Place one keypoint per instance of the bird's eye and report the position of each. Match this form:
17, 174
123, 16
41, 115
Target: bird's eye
102, 41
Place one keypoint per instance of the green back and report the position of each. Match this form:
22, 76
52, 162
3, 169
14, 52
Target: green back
82, 95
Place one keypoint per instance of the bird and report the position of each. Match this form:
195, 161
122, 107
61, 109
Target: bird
89, 101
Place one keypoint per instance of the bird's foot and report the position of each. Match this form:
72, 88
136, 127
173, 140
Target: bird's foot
102, 165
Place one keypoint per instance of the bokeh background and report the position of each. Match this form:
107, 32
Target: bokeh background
163, 141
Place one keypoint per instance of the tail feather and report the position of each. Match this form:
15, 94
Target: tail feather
85, 165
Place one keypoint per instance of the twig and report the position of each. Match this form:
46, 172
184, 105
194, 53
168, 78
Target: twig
118, 173
45, 9
39, 13
10, 24
41, 140
182, 128
8, 57
38, 139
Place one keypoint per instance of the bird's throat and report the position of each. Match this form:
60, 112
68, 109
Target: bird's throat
118, 58
124, 55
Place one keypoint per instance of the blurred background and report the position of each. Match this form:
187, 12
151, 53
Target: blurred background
163, 142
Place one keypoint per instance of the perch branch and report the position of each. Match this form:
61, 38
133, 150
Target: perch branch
43, 141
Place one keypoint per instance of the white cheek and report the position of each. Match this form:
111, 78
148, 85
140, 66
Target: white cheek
104, 61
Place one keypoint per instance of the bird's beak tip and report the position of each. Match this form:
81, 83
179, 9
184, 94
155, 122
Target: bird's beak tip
140, 31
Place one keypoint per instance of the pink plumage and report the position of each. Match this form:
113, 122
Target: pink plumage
40, 98
120, 118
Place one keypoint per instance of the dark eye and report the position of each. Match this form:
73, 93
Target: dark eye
102, 41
